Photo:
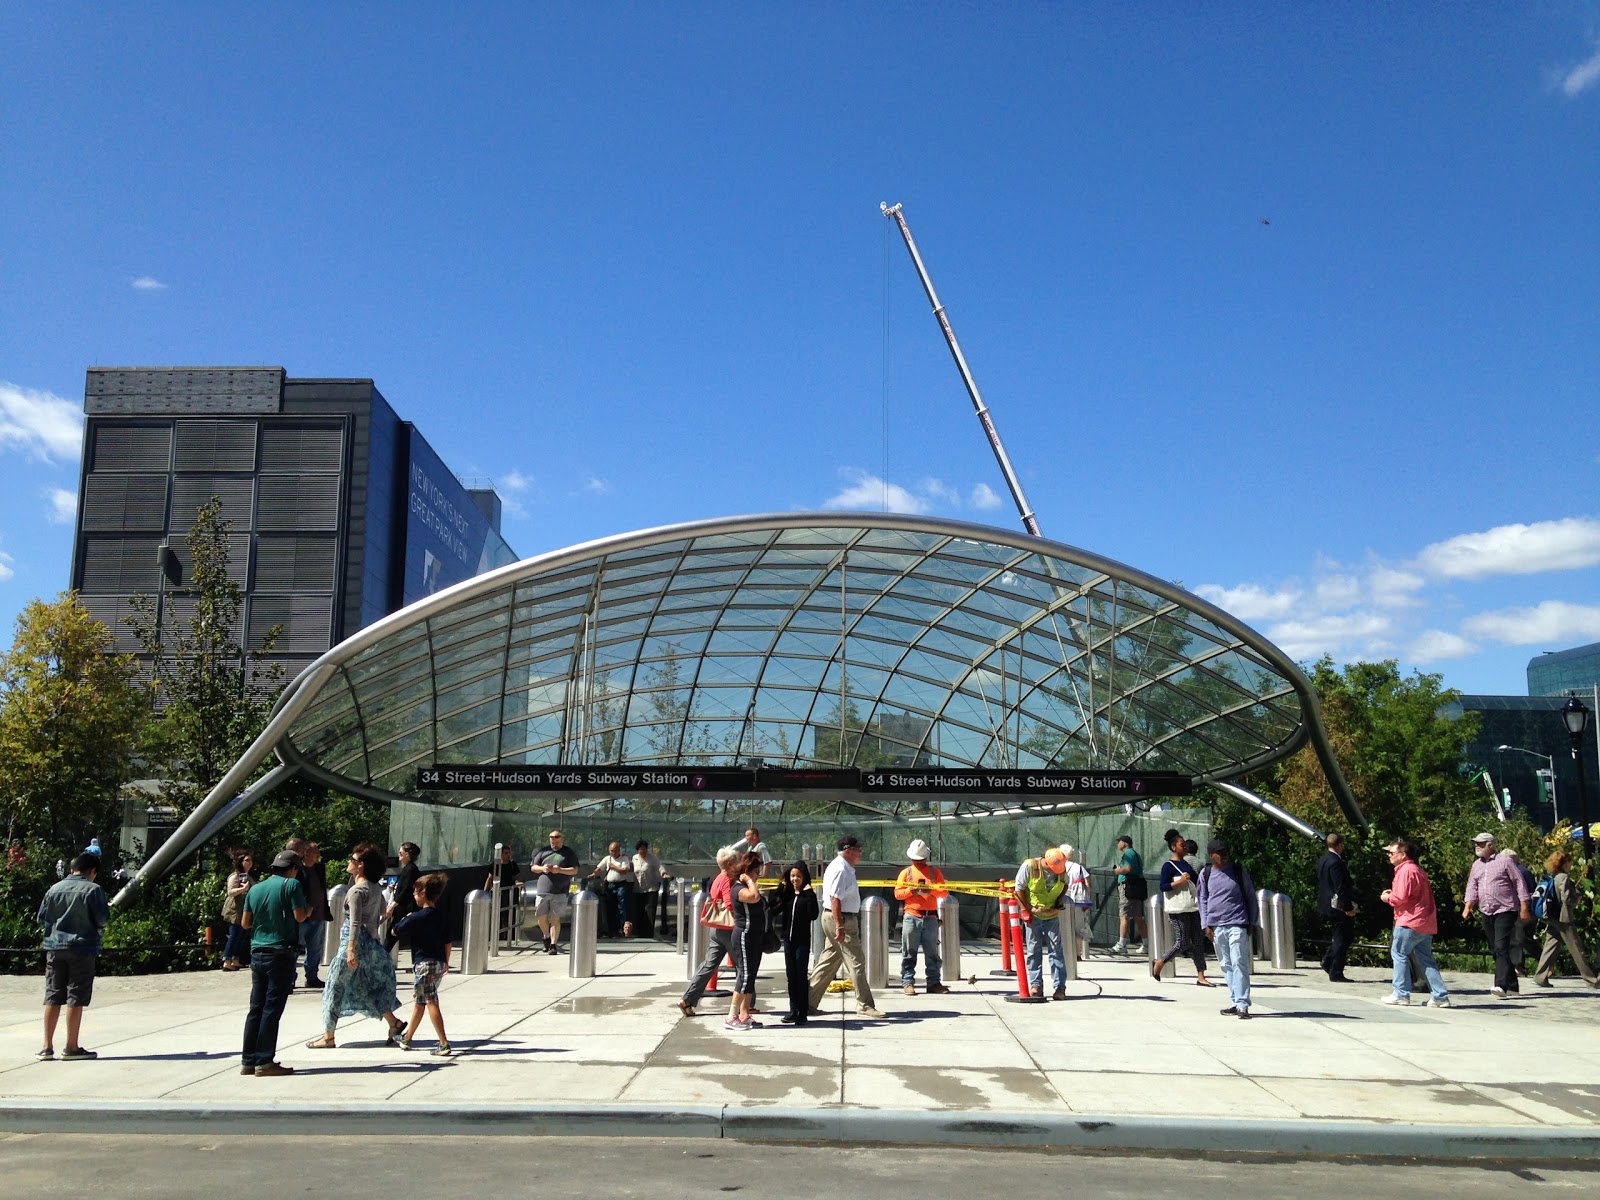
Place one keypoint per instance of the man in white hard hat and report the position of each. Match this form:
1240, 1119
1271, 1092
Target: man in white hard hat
919, 889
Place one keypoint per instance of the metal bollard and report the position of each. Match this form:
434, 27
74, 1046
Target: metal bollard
1069, 941
875, 940
1282, 933
818, 940
693, 936
1261, 936
585, 925
475, 932
680, 895
494, 894
330, 944
949, 938
1158, 940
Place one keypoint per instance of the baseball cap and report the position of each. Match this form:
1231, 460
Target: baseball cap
1483, 837
285, 860
1216, 846
849, 842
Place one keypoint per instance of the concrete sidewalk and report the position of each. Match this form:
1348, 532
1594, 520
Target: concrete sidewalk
1124, 1063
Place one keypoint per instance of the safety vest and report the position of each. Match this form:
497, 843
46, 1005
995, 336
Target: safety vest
1044, 889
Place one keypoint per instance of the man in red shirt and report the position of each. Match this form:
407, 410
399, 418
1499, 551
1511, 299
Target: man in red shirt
1415, 922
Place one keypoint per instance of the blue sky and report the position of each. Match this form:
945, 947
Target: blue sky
1294, 304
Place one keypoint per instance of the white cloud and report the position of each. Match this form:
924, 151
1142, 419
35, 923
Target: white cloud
5, 566
515, 481
1250, 602
1436, 645
937, 489
1564, 545
1338, 591
983, 498
1583, 76
596, 486
1552, 622
63, 506
146, 283
40, 423
869, 492
1343, 635
1393, 587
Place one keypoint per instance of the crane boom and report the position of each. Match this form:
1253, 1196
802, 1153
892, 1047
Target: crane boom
984, 419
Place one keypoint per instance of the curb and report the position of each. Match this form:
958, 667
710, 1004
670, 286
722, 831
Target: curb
856, 1126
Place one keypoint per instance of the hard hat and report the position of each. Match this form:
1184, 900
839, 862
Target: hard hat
918, 850
1054, 861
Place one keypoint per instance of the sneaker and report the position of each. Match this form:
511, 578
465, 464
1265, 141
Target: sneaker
403, 1042
248, 1069
72, 1053
442, 1050
1244, 1014
272, 1068
1430, 1002
1540, 981
1399, 1001
1498, 992
734, 1023
910, 989
554, 948
46, 1055
874, 1013
936, 989
1230, 1011
1119, 948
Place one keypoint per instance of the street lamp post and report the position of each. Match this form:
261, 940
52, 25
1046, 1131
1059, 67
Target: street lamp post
1576, 716
1549, 762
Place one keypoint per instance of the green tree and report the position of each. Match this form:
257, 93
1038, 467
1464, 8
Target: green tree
211, 695
70, 718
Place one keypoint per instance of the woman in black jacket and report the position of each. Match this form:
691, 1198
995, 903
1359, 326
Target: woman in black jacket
794, 910
405, 883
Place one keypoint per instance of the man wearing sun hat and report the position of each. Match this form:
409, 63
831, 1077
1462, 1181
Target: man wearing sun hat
1040, 884
919, 889
1496, 887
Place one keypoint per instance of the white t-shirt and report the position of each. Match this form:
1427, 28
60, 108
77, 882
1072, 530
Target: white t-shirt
1078, 884
840, 880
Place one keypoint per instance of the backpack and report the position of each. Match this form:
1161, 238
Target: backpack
1546, 900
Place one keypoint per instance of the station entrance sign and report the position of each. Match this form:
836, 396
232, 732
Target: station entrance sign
925, 781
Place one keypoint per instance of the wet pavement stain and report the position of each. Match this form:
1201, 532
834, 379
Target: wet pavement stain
945, 1090
597, 1006
819, 1085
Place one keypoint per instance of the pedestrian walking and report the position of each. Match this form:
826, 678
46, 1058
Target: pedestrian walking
1336, 902
361, 980
840, 903
1228, 912
1415, 922
716, 916
1496, 889
1181, 903
429, 938
1561, 916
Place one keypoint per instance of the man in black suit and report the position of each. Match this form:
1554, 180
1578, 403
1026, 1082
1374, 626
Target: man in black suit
1335, 892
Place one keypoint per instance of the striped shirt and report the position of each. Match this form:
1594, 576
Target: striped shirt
1496, 886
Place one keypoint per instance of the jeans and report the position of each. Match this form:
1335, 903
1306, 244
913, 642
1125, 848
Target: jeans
271, 981
1233, 953
617, 895
1500, 928
796, 957
915, 931
237, 948
1408, 945
313, 939
1038, 934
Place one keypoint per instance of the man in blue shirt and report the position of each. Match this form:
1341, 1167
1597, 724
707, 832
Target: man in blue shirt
73, 913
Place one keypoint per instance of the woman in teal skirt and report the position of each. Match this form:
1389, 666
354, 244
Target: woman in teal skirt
361, 976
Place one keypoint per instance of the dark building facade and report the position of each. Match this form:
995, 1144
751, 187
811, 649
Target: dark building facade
1562, 671
339, 511
1535, 737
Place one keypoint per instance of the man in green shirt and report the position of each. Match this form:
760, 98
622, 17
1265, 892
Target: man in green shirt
273, 910
1132, 891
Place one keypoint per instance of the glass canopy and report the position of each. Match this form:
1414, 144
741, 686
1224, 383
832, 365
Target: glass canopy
870, 641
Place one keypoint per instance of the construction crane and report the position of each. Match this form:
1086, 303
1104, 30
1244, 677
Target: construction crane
984, 419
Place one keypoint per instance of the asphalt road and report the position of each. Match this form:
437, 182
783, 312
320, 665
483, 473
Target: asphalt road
242, 1167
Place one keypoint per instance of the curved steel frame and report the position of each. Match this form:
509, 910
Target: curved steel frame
851, 529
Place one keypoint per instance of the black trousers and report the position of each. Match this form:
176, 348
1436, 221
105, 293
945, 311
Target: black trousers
1499, 929
797, 969
1343, 928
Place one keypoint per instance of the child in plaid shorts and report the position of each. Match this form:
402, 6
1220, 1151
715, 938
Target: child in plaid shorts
430, 959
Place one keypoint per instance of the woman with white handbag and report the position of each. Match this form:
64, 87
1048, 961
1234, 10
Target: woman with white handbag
1178, 876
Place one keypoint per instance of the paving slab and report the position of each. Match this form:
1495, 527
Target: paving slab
1124, 1062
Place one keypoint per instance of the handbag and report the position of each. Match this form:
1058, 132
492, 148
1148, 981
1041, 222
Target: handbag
771, 943
714, 914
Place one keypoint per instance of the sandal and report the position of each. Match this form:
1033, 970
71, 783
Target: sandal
322, 1043
686, 1008
1204, 983
396, 1028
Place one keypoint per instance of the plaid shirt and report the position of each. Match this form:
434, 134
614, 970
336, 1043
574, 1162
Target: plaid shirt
1496, 886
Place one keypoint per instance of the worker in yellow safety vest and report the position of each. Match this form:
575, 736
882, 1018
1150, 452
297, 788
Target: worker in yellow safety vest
1039, 886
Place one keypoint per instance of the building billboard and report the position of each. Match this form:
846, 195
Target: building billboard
447, 538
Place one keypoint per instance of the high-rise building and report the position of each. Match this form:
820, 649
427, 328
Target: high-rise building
339, 511
1558, 672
